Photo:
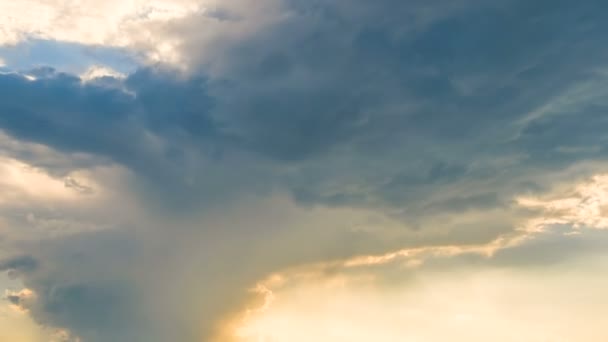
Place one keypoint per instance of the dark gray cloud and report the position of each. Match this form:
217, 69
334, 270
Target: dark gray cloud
20, 264
430, 101
360, 104
57, 110
83, 286
409, 108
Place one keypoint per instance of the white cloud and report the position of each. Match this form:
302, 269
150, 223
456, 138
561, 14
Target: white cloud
45, 193
21, 181
116, 23
97, 71
457, 305
345, 300
584, 205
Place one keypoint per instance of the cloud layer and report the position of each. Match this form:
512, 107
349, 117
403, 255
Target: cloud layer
289, 137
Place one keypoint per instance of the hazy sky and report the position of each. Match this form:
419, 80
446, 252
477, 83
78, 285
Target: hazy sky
303, 170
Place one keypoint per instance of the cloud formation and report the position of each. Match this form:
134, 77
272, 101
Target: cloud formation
286, 135
129, 23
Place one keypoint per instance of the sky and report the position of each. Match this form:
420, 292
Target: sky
290, 170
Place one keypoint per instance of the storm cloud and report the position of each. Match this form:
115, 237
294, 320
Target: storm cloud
294, 133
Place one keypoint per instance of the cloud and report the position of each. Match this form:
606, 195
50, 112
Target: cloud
474, 303
293, 134
117, 23
335, 106
582, 207
20, 299
297, 297
20, 264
